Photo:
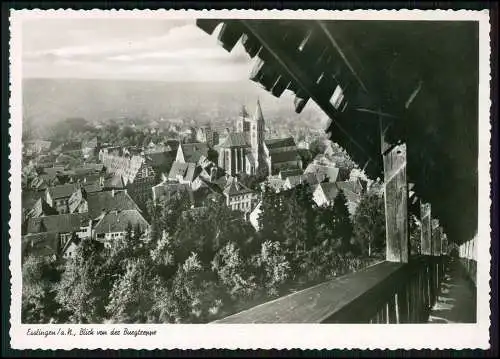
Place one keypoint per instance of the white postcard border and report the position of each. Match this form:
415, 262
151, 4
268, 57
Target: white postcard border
265, 336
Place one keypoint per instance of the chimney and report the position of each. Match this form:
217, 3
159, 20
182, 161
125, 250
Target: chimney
113, 192
101, 181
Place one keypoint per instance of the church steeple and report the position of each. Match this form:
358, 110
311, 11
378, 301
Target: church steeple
257, 136
258, 113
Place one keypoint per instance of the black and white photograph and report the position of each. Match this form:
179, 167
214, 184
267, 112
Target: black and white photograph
232, 169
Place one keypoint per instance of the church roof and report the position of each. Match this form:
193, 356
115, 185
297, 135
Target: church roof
258, 113
279, 142
235, 139
284, 156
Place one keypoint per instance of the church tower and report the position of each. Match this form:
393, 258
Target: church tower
257, 137
242, 122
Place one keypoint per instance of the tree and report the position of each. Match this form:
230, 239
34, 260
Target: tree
84, 288
233, 272
130, 299
369, 224
274, 265
342, 228
40, 275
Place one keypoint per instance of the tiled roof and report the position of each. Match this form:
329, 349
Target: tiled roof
62, 191
330, 190
61, 223
188, 171
75, 199
118, 221
193, 151
284, 156
115, 181
105, 201
279, 142
235, 139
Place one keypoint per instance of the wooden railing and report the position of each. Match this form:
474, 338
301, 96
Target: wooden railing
467, 257
387, 292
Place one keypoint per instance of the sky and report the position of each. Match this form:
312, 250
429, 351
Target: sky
129, 49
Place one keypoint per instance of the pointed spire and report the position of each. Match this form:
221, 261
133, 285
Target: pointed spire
258, 112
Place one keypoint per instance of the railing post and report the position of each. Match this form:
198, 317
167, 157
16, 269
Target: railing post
396, 198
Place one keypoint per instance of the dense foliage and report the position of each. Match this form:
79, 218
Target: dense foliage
196, 264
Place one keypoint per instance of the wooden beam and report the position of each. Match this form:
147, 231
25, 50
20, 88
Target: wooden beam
293, 71
425, 232
396, 202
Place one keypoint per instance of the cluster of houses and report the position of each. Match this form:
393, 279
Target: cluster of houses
105, 199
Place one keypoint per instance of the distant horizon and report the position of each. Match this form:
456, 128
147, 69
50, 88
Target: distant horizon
136, 80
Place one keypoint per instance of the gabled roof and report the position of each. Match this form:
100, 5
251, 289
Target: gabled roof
63, 191
76, 199
323, 172
188, 171
284, 156
40, 208
234, 139
235, 188
118, 221
61, 223
193, 151
279, 142
108, 201
329, 189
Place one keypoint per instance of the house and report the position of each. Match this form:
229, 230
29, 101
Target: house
207, 135
58, 196
281, 153
167, 190
65, 227
90, 147
161, 161
46, 244
77, 202
323, 173
284, 174
254, 217
191, 152
353, 192
117, 200
239, 197
184, 172
113, 225
294, 181
325, 193
40, 209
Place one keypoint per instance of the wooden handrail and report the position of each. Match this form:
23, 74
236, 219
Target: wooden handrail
386, 292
